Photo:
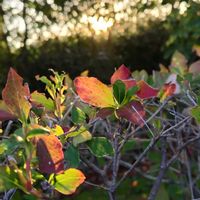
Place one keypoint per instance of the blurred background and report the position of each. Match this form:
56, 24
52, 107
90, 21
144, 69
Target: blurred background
98, 35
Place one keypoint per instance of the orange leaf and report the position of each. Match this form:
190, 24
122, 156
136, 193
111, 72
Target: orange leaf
50, 154
16, 95
122, 73
168, 90
94, 92
133, 112
146, 91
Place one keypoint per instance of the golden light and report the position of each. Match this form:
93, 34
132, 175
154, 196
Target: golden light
100, 24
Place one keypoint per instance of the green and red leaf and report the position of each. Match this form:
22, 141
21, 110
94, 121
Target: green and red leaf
167, 91
94, 92
50, 154
16, 96
123, 74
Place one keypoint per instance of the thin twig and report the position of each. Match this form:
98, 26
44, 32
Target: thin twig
162, 171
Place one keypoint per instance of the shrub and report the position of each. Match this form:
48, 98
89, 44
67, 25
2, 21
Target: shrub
142, 125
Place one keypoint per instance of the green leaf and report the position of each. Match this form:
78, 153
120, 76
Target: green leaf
129, 94
44, 79
74, 131
15, 141
119, 91
72, 156
195, 112
67, 182
162, 194
43, 100
9, 179
2, 148
78, 116
36, 132
82, 137
100, 146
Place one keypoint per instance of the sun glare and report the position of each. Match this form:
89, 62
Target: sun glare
100, 24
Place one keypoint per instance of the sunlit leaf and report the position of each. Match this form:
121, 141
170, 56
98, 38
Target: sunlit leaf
67, 182
82, 137
133, 112
57, 130
9, 179
94, 92
16, 96
146, 91
122, 73
41, 99
50, 154
74, 131
167, 91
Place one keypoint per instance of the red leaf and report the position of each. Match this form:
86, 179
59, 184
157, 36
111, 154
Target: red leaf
6, 116
16, 95
50, 154
129, 83
105, 112
4, 113
146, 91
133, 112
122, 73
94, 92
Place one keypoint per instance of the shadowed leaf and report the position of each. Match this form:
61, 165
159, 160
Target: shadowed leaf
105, 112
100, 146
50, 154
133, 112
195, 67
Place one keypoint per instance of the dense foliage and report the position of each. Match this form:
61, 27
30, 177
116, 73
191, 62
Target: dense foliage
140, 129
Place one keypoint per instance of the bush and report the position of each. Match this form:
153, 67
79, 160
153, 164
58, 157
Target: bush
127, 134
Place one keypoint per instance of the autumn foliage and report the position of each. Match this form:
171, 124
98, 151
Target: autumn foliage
58, 131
